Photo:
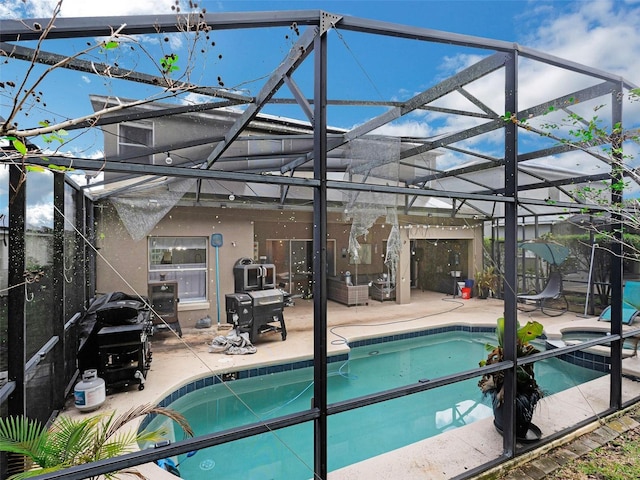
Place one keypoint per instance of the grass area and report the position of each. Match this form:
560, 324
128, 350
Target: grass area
617, 460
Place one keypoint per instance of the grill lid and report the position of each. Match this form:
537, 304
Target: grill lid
266, 297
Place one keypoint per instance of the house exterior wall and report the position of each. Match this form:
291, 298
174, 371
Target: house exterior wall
247, 229
123, 263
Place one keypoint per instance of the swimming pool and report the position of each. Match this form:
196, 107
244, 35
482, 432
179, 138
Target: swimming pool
358, 434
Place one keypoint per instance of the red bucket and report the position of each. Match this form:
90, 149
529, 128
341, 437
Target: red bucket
466, 293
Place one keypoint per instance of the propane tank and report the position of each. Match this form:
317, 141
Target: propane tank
89, 393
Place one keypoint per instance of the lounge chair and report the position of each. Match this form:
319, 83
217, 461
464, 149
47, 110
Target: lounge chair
630, 304
551, 301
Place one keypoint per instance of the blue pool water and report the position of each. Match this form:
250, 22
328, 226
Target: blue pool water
355, 435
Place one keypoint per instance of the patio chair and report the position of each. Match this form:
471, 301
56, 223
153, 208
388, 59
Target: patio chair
551, 301
630, 304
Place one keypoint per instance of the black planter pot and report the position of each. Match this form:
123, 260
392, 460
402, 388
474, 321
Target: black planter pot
526, 431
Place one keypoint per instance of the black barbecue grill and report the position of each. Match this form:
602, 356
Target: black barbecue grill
115, 340
257, 306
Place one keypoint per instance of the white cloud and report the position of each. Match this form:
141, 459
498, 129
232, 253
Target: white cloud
457, 63
194, 99
84, 8
408, 128
40, 215
601, 34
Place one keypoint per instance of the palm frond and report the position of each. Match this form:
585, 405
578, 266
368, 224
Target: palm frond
147, 437
118, 445
147, 409
176, 417
71, 441
23, 436
489, 348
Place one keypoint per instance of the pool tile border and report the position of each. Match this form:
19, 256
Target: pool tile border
592, 361
421, 333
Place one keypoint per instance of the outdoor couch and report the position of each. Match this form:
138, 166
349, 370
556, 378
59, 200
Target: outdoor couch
339, 291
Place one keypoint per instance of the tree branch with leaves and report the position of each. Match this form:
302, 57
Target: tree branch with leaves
592, 137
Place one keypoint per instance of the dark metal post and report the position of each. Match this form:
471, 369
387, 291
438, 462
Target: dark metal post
79, 231
617, 248
510, 250
58, 282
320, 255
16, 310
89, 271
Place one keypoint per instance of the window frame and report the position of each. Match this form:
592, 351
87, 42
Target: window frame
175, 271
129, 146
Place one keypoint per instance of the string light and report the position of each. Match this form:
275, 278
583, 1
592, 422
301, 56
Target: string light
439, 227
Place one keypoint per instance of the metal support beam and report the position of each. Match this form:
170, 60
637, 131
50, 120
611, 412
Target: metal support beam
49, 58
468, 75
6, 390
320, 257
12, 30
295, 57
617, 248
58, 282
160, 113
80, 230
476, 101
163, 170
284, 191
41, 354
89, 250
16, 302
300, 99
510, 279
576, 97
557, 183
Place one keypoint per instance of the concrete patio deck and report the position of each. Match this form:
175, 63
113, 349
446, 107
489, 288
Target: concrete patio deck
177, 362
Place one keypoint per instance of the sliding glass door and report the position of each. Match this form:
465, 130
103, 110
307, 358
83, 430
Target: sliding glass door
294, 264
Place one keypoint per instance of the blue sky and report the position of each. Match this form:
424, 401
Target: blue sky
599, 33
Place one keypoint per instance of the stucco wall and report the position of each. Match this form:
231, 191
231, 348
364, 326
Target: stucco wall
124, 262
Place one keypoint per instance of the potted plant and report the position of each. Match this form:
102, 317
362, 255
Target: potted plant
69, 441
486, 281
528, 393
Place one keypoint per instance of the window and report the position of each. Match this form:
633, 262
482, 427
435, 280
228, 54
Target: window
181, 259
134, 139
